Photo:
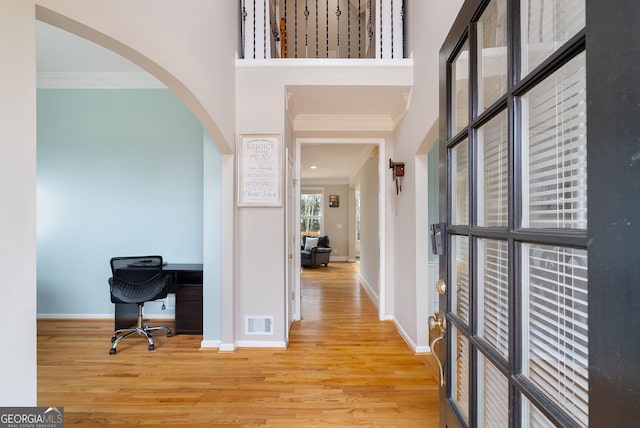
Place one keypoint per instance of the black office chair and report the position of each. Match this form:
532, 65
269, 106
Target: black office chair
137, 280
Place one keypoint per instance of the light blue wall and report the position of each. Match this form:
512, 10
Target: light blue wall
120, 172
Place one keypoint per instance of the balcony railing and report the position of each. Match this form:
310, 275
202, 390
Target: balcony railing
322, 29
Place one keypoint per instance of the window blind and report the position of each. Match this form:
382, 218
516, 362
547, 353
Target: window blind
460, 357
492, 50
555, 331
554, 165
494, 395
460, 183
493, 170
460, 276
494, 294
532, 417
546, 26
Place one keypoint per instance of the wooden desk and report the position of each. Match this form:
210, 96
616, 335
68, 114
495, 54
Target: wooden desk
186, 283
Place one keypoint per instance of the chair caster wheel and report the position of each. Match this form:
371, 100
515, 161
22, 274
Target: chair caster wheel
152, 347
113, 339
112, 351
169, 334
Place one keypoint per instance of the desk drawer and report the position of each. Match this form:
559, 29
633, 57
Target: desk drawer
189, 309
189, 317
189, 293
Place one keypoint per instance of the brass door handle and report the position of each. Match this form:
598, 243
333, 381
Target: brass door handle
439, 322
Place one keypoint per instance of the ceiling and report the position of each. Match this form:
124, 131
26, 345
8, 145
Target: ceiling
336, 162
315, 108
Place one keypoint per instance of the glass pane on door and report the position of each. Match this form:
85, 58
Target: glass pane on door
532, 417
460, 183
493, 307
554, 164
459, 113
460, 277
493, 395
546, 26
493, 172
554, 327
460, 356
492, 50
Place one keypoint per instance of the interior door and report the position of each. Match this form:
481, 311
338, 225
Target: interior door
514, 302
290, 276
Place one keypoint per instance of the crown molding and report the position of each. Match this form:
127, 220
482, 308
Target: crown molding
400, 109
97, 80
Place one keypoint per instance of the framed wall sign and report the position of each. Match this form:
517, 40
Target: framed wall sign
259, 170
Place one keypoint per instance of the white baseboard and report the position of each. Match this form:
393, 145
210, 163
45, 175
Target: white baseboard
422, 349
405, 336
338, 258
370, 292
412, 345
211, 344
227, 347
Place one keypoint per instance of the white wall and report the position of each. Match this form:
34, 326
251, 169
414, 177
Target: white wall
261, 108
428, 24
336, 219
261, 88
18, 196
370, 228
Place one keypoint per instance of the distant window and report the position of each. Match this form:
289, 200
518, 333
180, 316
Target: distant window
311, 212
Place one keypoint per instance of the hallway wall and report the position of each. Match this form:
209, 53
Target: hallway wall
370, 229
428, 24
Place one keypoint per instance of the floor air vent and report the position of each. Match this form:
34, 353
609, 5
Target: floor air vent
259, 325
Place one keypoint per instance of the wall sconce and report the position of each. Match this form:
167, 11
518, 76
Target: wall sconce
397, 172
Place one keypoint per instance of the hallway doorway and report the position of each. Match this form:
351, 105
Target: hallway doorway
338, 220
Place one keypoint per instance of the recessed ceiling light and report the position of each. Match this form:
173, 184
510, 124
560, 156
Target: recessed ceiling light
313, 167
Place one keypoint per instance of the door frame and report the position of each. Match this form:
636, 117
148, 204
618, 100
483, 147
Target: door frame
290, 241
613, 109
384, 290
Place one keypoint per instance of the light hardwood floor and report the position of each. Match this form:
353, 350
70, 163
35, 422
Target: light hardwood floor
342, 368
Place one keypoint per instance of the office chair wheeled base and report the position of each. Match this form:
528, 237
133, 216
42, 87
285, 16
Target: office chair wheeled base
141, 329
